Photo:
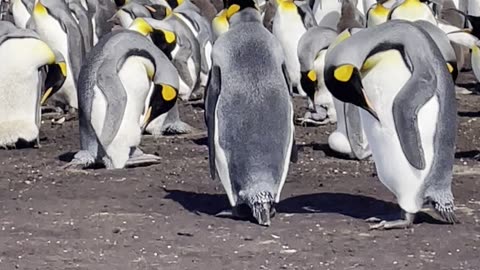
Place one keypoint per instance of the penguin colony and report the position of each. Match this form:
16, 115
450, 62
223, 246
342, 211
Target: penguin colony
384, 71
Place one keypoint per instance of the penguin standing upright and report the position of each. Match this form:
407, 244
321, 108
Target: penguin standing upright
114, 84
412, 10
377, 14
55, 25
409, 116
21, 11
249, 147
288, 27
23, 79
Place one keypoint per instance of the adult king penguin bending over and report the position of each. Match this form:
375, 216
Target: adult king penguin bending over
249, 113
114, 86
398, 75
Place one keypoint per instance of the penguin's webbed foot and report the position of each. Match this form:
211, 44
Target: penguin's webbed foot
394, 224
446, 212
142, 160
80, 161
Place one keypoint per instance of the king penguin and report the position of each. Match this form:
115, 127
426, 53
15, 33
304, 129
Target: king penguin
55, 25
409, 112
288, 27
29, 68
312, 48
220, 24
412, 10
243, 82
114, 84
21, 11
377, 14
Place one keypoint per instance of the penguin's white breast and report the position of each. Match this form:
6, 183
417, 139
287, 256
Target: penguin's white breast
20, 14
382, 83
474, 7
19, 79
133, 76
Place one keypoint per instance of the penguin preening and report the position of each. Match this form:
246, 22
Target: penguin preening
114, 84
409, 116
29, 69
55, 25
312, 48
243, 82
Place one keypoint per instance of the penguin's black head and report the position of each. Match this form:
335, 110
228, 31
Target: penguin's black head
453, 69
163, 99
120, 3
158, 12
345, 84
234, 6
164, 39
56, 75
175, 3
308, 80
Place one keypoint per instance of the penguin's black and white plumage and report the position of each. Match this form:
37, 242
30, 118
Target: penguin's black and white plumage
115, 83
249, 147
21, 11
409, 116
29, 69
288, 27
54, 23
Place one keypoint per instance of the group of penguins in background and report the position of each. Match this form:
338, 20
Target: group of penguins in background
384, 71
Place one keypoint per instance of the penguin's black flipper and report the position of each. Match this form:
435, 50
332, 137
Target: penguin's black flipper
211, 98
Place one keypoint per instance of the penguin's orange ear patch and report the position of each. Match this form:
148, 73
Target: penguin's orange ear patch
343, 73
168, 93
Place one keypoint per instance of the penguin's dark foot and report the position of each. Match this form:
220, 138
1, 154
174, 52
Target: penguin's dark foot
446, 212
395, 224
142, 160
80, 161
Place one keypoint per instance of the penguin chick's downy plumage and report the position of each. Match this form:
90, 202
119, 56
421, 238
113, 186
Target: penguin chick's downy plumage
409, 115
114, 84
251, 158
29, 68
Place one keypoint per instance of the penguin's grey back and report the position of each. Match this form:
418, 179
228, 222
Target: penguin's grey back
253, 109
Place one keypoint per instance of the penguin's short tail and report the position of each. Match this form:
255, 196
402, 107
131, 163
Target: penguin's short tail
12, 131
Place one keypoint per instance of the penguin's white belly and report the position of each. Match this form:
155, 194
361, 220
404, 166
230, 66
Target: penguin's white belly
414, 14
124, 18
133, 76
474, 7
382, 84
289, 29
475, 59
19, 92
52, 33
323, 97
20, 14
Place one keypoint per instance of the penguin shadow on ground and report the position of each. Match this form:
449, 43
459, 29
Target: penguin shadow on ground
199, 203
469, 114
354, 206
472, 154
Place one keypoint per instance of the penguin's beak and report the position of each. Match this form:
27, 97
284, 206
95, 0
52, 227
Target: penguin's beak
162, 100
56, 75
308, 81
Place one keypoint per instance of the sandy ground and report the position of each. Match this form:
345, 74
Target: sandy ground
162, 216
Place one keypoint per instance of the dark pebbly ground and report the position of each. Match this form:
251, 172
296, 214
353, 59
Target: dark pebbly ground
162, 216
